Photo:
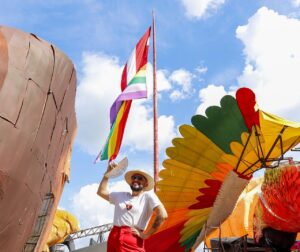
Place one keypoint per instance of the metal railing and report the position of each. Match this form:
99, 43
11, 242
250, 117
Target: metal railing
98, 230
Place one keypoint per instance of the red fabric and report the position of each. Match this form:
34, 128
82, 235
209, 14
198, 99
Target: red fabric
209, 194
246, 101
141, 52
121, 239
141, 56
124, 78
166, 240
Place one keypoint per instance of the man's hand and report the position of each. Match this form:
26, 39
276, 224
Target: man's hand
139, 233
103, 188
161, 216
110, 167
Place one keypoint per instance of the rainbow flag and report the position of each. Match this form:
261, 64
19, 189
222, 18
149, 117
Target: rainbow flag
133, 86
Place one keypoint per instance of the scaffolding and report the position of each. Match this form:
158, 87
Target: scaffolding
237, 244
219, 247
69, 241
98, 230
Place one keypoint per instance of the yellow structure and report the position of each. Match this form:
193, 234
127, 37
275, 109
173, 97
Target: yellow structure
63, 225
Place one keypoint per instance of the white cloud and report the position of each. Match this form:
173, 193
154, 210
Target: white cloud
296, 2
91, 209
96, 92
272, 60
272, 50
200, 8
177, 84
226, 77
201, 70
139, 127
163, 84
210, 96
139, 134
166, 131
183, 79
176, 95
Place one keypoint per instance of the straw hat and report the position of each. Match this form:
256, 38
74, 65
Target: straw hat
150, 180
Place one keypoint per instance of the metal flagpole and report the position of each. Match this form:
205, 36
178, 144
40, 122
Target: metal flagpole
155, 128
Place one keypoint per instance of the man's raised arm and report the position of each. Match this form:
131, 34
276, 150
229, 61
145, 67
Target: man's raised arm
103, 188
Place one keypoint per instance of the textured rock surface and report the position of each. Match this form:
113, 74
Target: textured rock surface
37, 127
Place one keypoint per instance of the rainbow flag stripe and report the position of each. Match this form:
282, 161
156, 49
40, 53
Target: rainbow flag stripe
133, 86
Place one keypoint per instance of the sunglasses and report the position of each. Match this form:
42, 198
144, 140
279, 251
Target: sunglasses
137, 177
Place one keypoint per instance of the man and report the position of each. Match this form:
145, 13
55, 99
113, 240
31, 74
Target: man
132, 211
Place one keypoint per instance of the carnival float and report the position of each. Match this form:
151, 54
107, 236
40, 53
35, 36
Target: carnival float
37, 125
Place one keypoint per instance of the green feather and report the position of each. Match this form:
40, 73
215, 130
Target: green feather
188, 243
222, 125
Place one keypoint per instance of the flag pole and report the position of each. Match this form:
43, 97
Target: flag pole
155, 128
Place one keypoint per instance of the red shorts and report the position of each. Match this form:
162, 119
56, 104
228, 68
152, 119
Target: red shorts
121, 239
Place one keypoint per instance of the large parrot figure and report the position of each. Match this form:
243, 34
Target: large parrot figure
210, 165
268, 209
277, 213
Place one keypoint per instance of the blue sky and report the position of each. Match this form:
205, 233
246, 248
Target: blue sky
205, 49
